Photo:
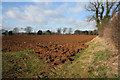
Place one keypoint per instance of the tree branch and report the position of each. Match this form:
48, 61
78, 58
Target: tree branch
115, 10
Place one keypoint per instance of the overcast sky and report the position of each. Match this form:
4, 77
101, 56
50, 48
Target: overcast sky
46, 15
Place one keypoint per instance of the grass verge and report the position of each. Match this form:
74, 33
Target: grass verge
22, 64
93, 62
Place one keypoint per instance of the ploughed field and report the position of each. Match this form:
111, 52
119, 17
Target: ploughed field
53, 49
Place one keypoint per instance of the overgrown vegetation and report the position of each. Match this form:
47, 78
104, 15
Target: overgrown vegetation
112, 31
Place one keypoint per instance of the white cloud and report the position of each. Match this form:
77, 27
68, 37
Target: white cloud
64, 7
31, 15
43, 15
77, 9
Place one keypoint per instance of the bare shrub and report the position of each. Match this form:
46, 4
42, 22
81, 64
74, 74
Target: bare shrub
111, 31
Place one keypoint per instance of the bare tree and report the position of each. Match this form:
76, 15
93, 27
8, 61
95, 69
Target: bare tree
15, 30
28, 29
59, 31
69, 30
3, 30
48, 32
102, 11
64, 30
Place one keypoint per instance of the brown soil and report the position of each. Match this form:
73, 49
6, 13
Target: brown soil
53, 49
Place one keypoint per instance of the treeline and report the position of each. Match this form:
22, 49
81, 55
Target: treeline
29, 31
78, 32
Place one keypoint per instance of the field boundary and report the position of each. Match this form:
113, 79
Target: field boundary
99, 60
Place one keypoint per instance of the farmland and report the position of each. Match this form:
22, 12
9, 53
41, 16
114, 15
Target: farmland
57, 56
51, 48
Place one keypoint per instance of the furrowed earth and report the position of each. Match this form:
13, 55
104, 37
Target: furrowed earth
53, 50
